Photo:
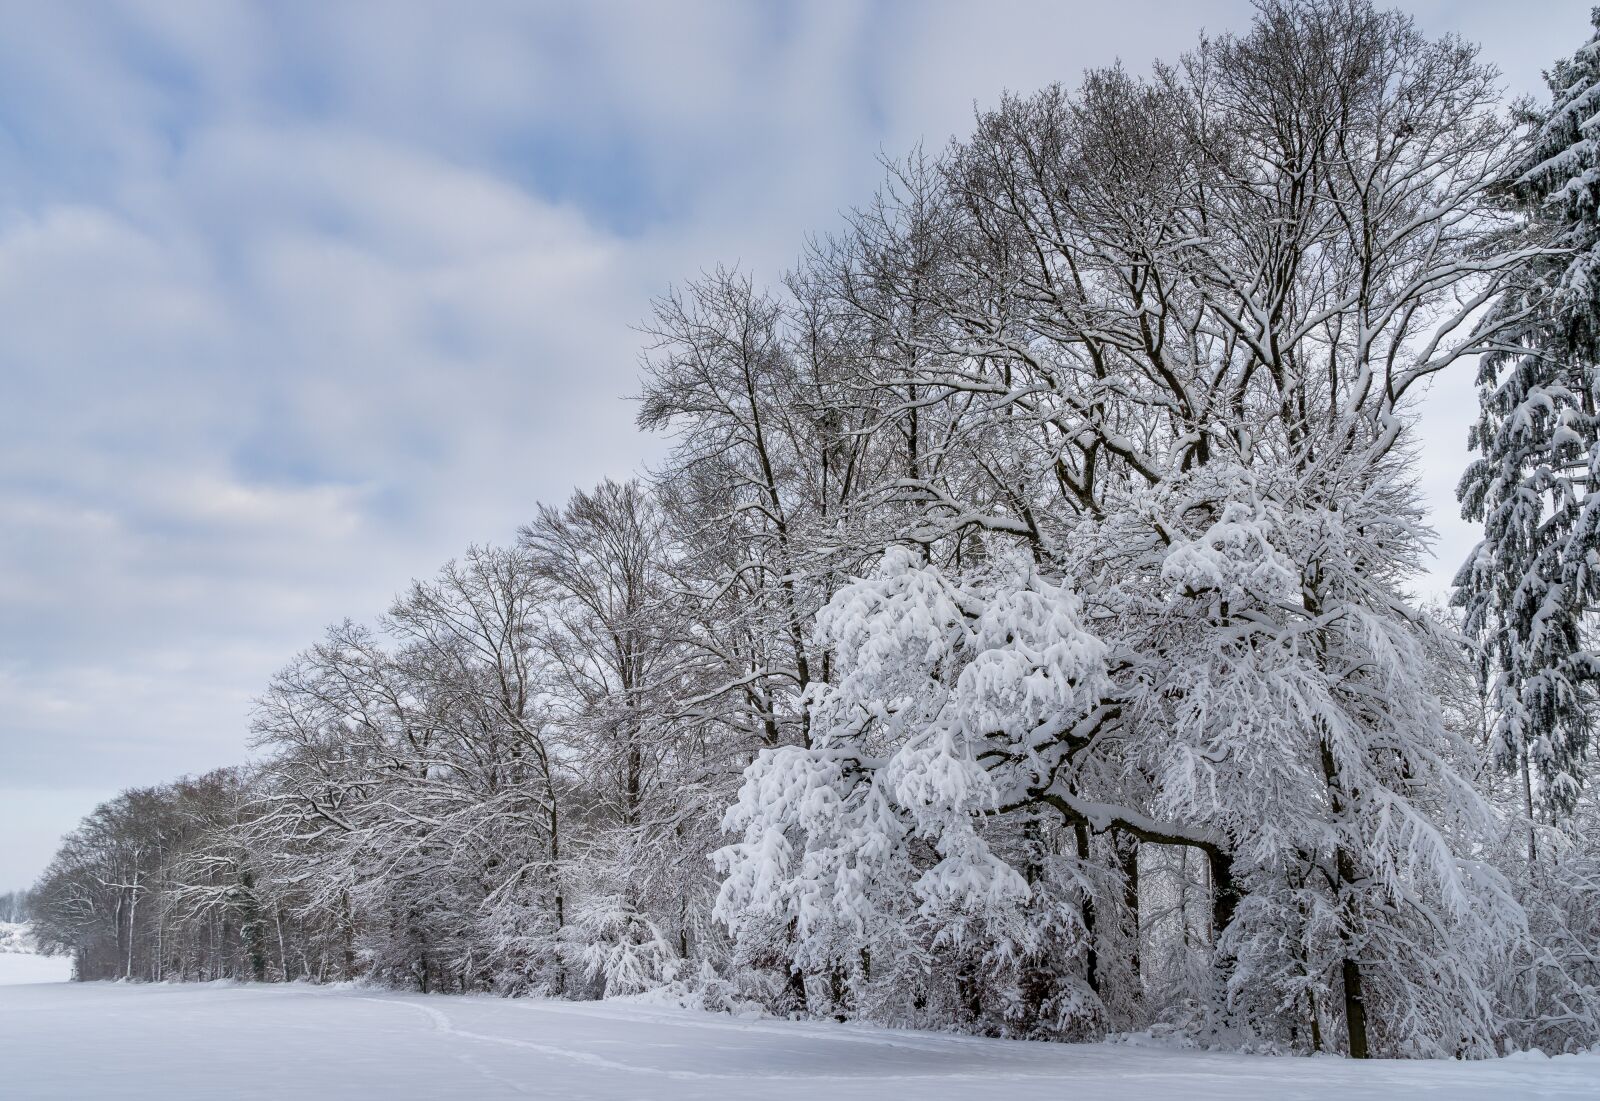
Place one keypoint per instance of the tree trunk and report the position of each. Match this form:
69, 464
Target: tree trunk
1355, 1008
1128, 856
1092, 956
1224, 894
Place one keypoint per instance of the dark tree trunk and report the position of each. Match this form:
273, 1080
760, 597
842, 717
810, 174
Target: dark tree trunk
1092, 956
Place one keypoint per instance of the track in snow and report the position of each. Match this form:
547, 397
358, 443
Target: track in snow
218, 1041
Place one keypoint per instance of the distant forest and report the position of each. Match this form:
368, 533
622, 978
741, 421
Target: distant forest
14, 906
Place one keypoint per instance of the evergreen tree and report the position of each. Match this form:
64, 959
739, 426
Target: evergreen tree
1528, 586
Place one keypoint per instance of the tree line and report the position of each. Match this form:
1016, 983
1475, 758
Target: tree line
1019, 636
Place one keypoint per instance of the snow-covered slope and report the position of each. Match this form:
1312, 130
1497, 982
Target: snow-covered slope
220, 1042
20, 961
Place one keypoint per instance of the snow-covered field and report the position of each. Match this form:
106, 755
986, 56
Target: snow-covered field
20, 963
221, 1041
17, 968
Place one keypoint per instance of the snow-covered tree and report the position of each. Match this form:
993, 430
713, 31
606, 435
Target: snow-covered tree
872, 841
1169, 348
1530, 586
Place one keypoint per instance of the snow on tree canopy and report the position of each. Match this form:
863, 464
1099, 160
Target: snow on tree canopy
935, 671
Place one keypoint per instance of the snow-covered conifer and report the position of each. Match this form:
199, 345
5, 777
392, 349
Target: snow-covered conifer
1529, 587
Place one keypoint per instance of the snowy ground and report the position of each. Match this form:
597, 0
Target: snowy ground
16, 968
19, 963
219, 1041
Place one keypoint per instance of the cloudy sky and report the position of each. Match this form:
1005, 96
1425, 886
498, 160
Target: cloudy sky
297, 300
